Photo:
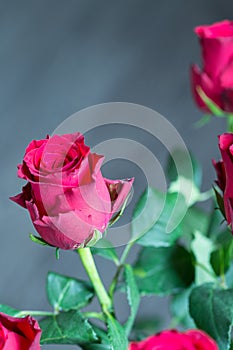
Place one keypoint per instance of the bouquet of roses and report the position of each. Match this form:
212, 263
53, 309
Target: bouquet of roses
187, 256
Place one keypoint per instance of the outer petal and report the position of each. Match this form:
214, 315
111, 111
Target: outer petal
210, 88
49, 230
217, 46
119, 191
226, 82
225, 145
227, 98
3, 337
21, 333
165, 340
174, 340
24, 196
217, 30
221, 175
201, 340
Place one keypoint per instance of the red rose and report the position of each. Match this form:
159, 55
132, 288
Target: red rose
174, 340
216, 78
224, 170
19, 333
66, 194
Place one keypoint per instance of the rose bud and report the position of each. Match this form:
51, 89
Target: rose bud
216, 77
172, 339
66, 195
19, 333
224, 170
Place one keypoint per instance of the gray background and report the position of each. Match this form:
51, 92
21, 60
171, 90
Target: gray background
59, 56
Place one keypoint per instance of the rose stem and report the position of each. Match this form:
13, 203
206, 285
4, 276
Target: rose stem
230, 122
90, 267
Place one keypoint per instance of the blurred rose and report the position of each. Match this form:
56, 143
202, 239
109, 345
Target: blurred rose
19, 333
66, 194
224, 170
216, 77
174, 340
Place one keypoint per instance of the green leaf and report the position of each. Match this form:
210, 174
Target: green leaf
213, 107
8, 310
66, 293
144, 327
132, 296
221, 258
179, 307
163, 271
212, 311
156, 236
229, 276
105, 249
215, 227
147, 212
219, 199
67, 328
116, 334
171, 170
195, 219
202, 247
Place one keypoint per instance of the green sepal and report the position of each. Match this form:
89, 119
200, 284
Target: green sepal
213, 107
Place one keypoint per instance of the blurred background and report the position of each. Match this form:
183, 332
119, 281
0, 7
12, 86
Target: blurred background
58, 57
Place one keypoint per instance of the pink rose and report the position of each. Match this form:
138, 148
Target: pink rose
19, 333
216, 77
66, 194
224, 170
174, 340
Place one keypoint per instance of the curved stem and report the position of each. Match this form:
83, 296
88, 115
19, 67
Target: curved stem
126, 252
114, 281
90, 267
118, 271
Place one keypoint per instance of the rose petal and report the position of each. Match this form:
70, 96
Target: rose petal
119, 191
212, 90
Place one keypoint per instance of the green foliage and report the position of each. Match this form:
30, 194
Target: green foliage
163, 271
195, 219
221, 257
150, 219
179, 308
144, 327
67, 328
8, 310
116, 334
105, 249
147, 212
66, 293
220, 204
212, 310
133, 296
202, 247
171, 170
